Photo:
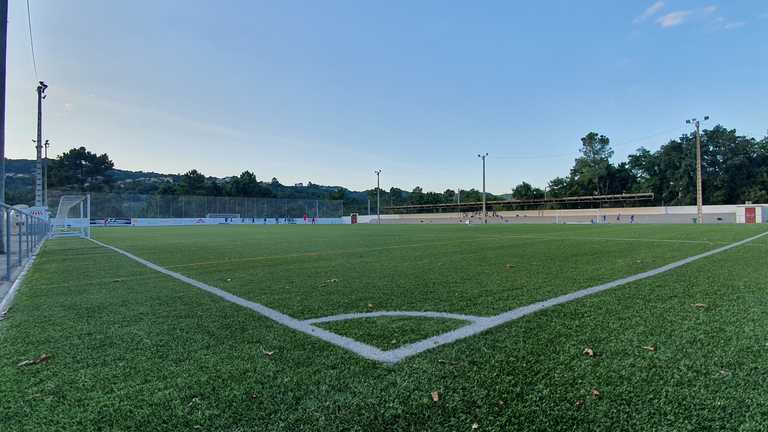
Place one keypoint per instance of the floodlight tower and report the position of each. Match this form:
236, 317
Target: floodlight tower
699, 194
378, 198
485, 214
39, 146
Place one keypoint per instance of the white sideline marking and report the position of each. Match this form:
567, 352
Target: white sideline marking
357, 315
479, 324
505, 317
367, 351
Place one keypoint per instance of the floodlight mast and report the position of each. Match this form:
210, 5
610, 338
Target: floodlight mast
485, 214
378, 198
39, 145
699, 193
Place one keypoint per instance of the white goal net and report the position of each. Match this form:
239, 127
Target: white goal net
73, 217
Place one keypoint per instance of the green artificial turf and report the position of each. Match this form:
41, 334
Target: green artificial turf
131, 349
391, 332
314, 271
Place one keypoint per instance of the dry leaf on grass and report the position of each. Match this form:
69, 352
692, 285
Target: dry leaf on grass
589, 352
699, 306
268, 353
42, 359
579, 403
651, 348
595, 393
475, 426
435, 396
370, 306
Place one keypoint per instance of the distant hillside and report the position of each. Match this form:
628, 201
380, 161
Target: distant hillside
20, 184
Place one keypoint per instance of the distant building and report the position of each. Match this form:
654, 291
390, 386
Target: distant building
298, 184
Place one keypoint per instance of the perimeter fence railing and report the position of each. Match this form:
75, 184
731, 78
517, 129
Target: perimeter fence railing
22, 233
128, 206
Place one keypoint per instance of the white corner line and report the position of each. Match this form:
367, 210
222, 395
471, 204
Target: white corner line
11, 294
478, 324
415, 314
470, 330
361, 349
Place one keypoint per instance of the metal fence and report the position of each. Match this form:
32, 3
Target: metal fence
22, 234
117, 205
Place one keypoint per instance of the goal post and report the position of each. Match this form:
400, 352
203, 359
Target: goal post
73, 217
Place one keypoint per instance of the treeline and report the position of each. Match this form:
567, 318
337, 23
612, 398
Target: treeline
735, 170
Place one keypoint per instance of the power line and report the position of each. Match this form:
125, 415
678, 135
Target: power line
31, 41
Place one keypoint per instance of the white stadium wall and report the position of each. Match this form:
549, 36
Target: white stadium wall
677, 214
648, 215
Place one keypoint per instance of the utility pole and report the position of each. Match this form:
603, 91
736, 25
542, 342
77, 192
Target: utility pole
378, 199
3, 40
699, 193
485, 214
39, 146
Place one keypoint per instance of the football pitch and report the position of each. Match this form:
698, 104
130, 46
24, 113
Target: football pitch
392, 327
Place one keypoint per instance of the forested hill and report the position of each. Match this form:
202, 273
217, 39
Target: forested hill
735, 170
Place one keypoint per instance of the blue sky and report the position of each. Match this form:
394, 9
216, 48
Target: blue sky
329, 91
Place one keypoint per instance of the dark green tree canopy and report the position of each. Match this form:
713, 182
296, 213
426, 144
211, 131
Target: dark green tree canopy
81, 169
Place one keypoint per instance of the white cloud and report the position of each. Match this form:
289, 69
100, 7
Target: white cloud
673, 19
709, 9
651, 11
734, 25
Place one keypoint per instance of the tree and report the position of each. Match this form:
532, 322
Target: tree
246, 185
82, 169
523, 191
193, 182
591, 168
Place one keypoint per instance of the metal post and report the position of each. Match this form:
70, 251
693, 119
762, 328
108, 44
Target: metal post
45, 176
8, 244
485, 213
88, 215
18, 232
378, 197
27, 221
3, 41
39, 146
